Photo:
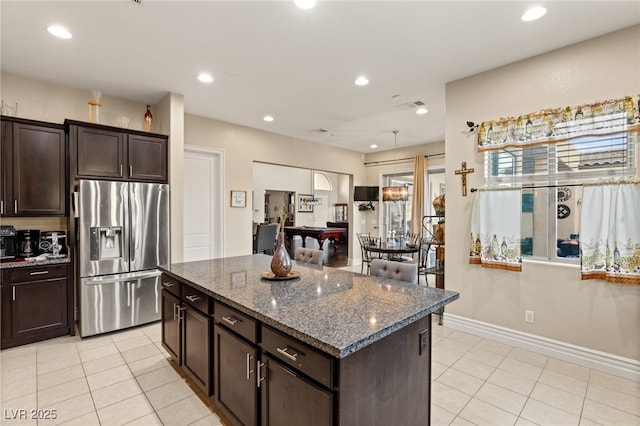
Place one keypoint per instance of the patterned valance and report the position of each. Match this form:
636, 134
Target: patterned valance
561, 124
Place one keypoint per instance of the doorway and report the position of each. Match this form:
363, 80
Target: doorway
203, 201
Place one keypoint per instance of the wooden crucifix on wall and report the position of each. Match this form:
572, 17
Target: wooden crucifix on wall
463, 172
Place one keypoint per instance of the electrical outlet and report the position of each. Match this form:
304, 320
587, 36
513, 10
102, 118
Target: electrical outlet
424, 342
529, 316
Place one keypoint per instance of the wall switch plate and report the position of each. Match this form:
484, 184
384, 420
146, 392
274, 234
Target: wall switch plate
529, 316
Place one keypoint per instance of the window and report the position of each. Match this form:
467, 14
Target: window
550, 175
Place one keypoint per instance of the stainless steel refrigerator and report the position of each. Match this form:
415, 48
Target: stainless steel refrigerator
123, 234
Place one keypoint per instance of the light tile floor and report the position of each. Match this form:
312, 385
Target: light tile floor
125, 378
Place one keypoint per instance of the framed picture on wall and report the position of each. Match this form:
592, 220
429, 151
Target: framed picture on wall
238, 198
304, 203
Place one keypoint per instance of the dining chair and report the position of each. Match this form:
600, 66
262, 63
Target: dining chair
411, 241
366, 240
265, 241
308, 255
423, 257
395, 270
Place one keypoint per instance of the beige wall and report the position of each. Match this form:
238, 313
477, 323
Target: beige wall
592, 314
242, 146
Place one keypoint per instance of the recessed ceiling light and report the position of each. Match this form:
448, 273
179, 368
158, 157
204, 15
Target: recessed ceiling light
422, 110
373, 146
534, 13
205, 78
362, 81
59, 31
305, 4
268, 118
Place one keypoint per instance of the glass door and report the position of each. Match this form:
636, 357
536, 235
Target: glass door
396, 215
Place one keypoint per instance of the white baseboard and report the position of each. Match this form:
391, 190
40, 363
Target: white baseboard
590, 358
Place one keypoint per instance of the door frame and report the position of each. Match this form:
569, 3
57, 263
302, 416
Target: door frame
216, 206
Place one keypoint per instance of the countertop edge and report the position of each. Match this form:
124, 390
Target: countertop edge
28, 263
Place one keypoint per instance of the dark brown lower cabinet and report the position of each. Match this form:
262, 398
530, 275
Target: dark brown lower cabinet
235, 376
36, 304
261, 376
186, 330
195, 346
171, 325
289, 398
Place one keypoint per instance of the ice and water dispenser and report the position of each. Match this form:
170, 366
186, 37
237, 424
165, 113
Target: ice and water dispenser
106, 242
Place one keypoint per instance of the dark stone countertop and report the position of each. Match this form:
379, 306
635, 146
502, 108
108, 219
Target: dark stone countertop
336, 311
35, 261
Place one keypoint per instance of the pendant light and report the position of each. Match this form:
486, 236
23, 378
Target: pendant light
395, 193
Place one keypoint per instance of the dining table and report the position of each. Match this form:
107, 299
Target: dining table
392, 251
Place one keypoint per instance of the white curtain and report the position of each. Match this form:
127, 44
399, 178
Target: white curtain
417, 206
495, 229
610, 231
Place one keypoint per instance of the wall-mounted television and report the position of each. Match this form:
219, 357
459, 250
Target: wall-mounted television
366, 193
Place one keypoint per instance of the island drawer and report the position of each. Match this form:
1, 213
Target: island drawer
171, 285
197, 299
299, 355
234, 320
37, 273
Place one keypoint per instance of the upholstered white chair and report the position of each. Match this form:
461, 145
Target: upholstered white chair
308, 255
402, 271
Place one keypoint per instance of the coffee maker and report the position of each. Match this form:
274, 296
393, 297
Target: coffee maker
7, 242
28, 242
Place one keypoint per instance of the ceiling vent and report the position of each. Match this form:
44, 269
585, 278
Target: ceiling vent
411, 105
138, 2
320, 131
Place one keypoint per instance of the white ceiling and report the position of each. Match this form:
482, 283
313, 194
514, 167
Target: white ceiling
269, 57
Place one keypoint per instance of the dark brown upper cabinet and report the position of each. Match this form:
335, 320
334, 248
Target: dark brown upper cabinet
103, 152
34, 164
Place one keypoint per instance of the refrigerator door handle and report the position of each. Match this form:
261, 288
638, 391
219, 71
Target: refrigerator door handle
119, 278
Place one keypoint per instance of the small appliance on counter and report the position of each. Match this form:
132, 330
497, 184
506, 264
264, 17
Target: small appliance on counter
53, 243
7, 242
28, 242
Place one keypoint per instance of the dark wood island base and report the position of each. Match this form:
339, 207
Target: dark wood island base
259, 371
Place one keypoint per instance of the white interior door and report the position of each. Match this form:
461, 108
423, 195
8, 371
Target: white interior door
203, 237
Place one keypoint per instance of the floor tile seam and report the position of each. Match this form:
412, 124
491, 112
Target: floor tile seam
139, 359
168, 405
520, 375
624, 410
482, 362
108, 405
619, 390
69, 398
469, 374
144, 392
557, 408
582, 395
196, 421
126, 399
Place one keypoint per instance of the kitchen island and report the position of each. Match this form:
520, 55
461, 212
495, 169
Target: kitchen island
326, 347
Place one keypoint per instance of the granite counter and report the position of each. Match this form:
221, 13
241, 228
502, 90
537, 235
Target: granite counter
336, 311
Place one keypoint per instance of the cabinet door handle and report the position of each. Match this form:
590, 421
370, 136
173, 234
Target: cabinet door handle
292, 357
180, 313
175, 312
230, 320
39, 273
192, 298
2, 206
249, 370
259, 379
120, 170
13, 293
130, 170
15, 206
168, 284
